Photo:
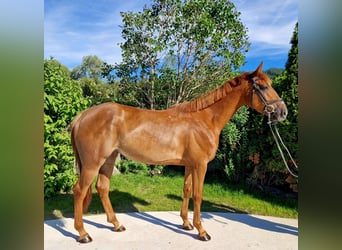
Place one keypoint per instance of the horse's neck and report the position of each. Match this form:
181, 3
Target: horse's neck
223, 110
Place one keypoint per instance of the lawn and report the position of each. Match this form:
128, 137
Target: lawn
141, 193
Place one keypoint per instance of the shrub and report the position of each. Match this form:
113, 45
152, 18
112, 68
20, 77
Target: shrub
129, 166
229, 157
62, 101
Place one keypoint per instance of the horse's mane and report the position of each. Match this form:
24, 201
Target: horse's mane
209, 99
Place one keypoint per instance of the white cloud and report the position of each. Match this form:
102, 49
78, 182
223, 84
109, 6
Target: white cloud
268, 21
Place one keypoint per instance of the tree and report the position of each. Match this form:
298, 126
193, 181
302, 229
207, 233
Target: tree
95, 78
272, 73
287, 82
98, 93
174, 50
91, 67
62, 101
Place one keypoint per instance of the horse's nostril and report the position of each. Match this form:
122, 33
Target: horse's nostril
284, 113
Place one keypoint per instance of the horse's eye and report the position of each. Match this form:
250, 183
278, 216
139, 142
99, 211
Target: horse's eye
263, 87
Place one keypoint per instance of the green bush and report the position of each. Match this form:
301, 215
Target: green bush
229, 157
129, 166
62, 101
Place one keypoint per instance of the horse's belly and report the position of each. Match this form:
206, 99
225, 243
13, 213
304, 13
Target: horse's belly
152, 149
149, 156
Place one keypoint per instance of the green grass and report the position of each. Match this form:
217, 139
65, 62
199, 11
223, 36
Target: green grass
141, 193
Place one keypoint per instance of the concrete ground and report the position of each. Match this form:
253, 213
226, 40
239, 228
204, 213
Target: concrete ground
162, 230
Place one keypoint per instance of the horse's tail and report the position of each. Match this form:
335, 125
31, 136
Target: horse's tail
73, 127
74, 122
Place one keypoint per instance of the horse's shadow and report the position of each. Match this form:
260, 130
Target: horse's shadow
177, 228
59, 225
255, 222
234, 214
121, 197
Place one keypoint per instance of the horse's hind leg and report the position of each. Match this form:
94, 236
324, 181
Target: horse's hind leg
185, 205
102, 186
81, 190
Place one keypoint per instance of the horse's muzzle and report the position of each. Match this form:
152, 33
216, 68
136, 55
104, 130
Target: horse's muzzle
280, 112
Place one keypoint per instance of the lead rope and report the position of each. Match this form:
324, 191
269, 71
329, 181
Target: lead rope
277, 138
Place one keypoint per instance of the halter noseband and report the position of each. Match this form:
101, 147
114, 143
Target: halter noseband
269, 108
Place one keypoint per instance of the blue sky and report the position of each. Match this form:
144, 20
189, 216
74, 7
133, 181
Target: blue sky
73, 29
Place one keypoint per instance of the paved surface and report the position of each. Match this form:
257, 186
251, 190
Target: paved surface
162, 230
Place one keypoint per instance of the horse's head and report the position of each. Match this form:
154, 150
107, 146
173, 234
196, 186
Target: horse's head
264, 98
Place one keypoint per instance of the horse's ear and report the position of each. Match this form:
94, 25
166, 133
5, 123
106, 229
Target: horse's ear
258, 70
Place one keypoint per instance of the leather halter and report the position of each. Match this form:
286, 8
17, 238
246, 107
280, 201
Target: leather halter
269, 108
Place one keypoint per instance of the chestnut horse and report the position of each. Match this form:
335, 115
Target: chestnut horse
186, 134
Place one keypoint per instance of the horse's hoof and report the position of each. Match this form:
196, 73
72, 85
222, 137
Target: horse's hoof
120, 229
188, 227
204, 237
85, 239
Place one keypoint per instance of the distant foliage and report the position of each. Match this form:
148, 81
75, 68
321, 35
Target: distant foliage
96, 80
98, 93
62, 101
92, 67
272, 73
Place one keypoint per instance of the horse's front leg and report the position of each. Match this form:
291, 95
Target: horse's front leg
185, 205
198, 175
